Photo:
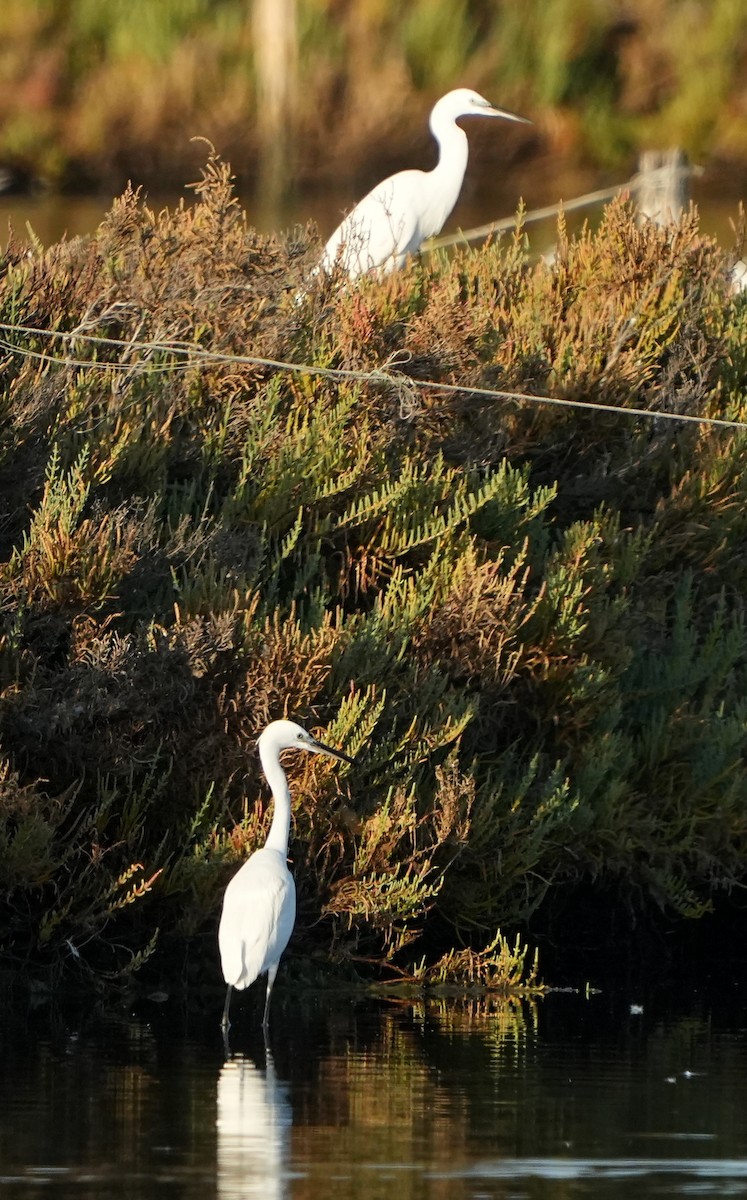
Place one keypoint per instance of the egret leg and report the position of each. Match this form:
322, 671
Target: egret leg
225, 1022
226, 1043
271, 973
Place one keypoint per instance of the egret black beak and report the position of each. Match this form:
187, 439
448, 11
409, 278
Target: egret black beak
320, 748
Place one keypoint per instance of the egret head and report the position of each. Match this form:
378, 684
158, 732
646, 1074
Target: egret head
287, 735
463, 102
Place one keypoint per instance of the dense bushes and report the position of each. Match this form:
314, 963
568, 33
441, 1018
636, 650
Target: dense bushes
527, 621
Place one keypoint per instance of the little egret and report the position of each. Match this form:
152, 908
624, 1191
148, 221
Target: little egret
259, 905
395, 218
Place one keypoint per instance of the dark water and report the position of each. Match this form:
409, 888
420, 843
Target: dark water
571, 1097
488, 194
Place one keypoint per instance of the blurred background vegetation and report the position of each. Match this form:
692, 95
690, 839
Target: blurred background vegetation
310, 90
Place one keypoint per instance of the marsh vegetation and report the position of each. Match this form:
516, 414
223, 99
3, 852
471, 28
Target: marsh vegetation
229, 493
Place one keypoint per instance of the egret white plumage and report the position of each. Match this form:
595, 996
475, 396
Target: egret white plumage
396, 217
259, 905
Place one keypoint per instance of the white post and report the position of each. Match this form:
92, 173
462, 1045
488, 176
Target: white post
662, 185
275, 30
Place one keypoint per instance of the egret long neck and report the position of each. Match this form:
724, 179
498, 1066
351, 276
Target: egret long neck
448, 174
277, 839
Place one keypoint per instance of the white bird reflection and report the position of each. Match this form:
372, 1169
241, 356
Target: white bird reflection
254, 1122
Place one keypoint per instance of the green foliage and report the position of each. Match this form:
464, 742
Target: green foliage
437, 41
500, 966
75, 856
527, 622
602, 80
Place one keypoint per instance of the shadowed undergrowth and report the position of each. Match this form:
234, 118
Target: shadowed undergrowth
527, 622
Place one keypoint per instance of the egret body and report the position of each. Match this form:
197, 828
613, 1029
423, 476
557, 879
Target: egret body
259, 905
396, 217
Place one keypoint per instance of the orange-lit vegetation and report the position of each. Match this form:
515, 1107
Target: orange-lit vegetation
527, 621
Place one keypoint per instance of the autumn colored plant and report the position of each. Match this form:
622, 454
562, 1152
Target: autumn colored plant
525, 620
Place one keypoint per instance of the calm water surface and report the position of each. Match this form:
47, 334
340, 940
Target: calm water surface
488, 194
570, 1098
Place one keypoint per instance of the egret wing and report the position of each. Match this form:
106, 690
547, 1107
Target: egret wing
259, 909
381, 230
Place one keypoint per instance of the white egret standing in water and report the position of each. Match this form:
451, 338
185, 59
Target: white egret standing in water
396, 217
259, 905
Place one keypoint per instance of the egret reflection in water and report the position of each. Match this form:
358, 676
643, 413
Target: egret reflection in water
253, 1123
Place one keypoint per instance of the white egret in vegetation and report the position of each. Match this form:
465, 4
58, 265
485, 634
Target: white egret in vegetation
259, 905
395, 218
